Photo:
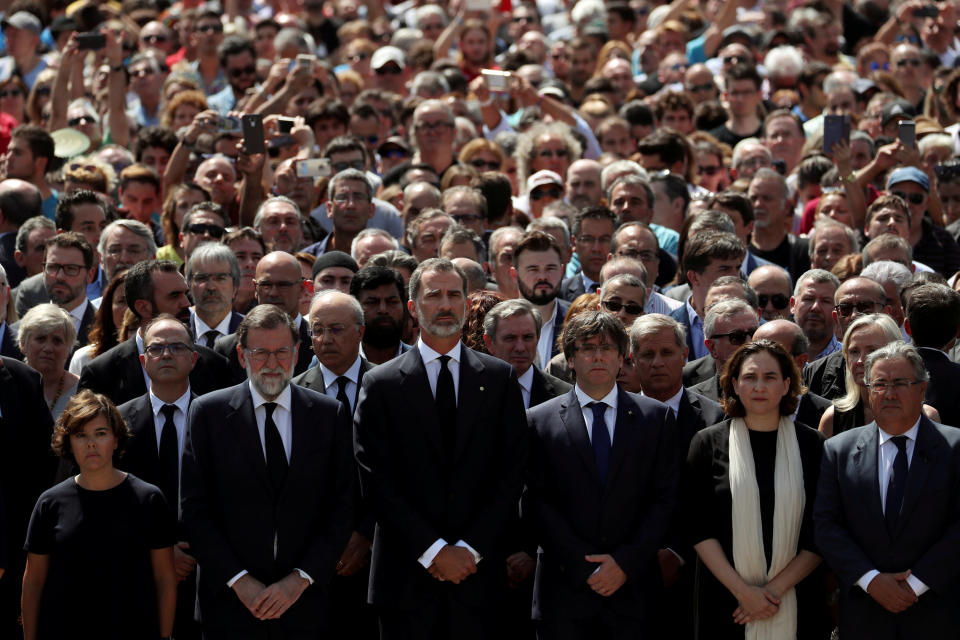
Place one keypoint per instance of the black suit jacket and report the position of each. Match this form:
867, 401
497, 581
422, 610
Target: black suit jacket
418, 495
811, 409
696, 412
118, 374
15, 273
562, 307
699, 370
852, 535
571, 288
575, 514
8, 344
826, 377
709, 388
30, 292
312, 379
234, 520
941, 394
86, 323
226, 346
546, 387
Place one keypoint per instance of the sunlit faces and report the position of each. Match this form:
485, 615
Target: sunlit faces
896, 395
335, 332
888, 220
384, 314
593, 245
269, 359
63, 288
212, 287
659, 362
440, 306
761, 385
596, 362
539, 274
812, 309
832, 243
623, 301
280, 226
835, 206
515, 341
93, 446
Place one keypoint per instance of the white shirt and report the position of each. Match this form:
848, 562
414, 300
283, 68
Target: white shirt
545, 344
182, 404
330, 386
526, 385
77, 315
431, 361
139, 340
672, 402
200, 327
886, 454
609, 414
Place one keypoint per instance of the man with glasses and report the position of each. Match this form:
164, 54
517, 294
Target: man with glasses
623, 295
433, 135
152, 287
147, 74
631, 197
267, 491
773, 288
350, 207
206, 37
156, 36
593, 230
203, 223
812, 309
124, 243
699, 83
467, 207
742, 85
543, 188
237, 57
906, 61
365, 125
932, 245
213, 274
727, 326
67, 270
279, 281
538, 269
885, 518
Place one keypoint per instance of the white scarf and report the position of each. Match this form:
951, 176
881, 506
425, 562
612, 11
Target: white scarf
748, 552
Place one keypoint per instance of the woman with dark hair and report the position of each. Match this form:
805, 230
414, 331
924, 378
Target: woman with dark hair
478, 304
105, 333
99, 541
748, 493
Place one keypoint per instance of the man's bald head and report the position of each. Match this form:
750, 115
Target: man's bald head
773, 287
19, 200
584, 186
857, 297
279, 281
788, 335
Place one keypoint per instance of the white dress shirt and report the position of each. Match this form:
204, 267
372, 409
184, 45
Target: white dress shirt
330, 386
886, 454
545, 344
609, 414
526, 385
139, 340
200, 327
77, 315
179, 418
672, 402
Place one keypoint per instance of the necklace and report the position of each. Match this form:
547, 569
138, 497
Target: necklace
59, 390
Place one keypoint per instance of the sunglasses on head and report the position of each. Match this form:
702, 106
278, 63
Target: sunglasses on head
912, 198
737, 337
778, 300
613, 306
539, 194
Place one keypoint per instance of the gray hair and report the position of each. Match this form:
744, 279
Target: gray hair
392, 259
886, 241
634, 180
510, 309
213, 252
427, 10
896, 350
132, 226
370, 232
549, 224
28, 227
207, 206
526, 145
319, 296
934, 141
817, 276
44, 319
291, 37
741, 147
498, 236
749, 295
456, 234
628, 167
652, 323
349, 174
724, 309
258, 218
712, 219
827, 223
770, 174
266, 316
624, 264
433, 265
784, 61
426, 186
432, 82
888, 271
838, 81
890, 331
627, 279
413, 229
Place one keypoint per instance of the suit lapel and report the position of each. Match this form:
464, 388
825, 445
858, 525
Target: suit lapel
572, 417
300, 431
470, 398
865, 460
364, 367
248, 434
623, 433
416, 386
305, 356
131, 375
924, 458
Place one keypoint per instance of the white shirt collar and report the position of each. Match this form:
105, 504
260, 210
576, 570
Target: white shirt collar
673, 402
911, 433
78, 311
610, 399
526, 380
352, 374
258, 400
182, 403
202, 328
429, 355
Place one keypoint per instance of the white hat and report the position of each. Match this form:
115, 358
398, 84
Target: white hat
383, 55
543, 177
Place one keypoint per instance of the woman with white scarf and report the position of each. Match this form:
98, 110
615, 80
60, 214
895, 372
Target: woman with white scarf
749, 489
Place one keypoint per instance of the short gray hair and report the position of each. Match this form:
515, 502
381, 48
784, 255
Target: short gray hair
370, 232
548, 224
28, 227
886, 241
133, 226
431, 265
633, 180
620, 167
510, 309
493, 243
432, 81
888, 271
44, 319
724, 309
258, 218
652, 323
817, 276
627, 279
741, 146
349, 174
213, 252
828, 223
896, 350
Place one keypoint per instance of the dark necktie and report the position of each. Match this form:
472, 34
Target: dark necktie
276, 456
169, 458
897, 484
446, 403
601, 440
210, 337
342, 392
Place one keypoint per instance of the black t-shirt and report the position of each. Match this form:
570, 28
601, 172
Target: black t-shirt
791, 254
725, 135
100, 580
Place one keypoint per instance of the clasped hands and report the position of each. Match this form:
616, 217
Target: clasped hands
269, 603
453, 564
608, 577
892, 591
756, 603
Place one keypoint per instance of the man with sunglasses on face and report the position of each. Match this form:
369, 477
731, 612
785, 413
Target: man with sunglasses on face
238, 60
391, 73
204, 222
932, 245
728, 325
772, 285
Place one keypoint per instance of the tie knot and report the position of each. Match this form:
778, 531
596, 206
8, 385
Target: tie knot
342, 381
168, 410
598, 408
900, 442
269, 406
443, 361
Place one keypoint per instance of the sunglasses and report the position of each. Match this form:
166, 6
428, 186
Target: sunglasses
141, 73
546, 193
245, 71
733, 59
391, 70
200, 229
525, 19
394, 154
913, 62
82, 120
343, 166
613, 306
912, 198
700, 88
154, 38
708, 171
550, 153
778, 300
210, 28
481, 164
846, 309
737, 337
11, 93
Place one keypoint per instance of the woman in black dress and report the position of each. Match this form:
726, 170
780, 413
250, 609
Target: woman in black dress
100, 544
748, 491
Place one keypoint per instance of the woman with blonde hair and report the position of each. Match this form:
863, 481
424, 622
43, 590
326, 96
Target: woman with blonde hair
482, 155
46, 337
180, 111
612, 49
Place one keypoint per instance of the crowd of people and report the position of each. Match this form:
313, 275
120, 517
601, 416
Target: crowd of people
479, 319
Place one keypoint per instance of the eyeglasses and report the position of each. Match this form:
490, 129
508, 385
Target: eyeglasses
700, 88
913, 62
154, 37
434, 126
524, 19
479, 164
778, 300
344, 198
538, 194
283, 354
709, 171
200, 229
388, 69
217, 278
359, 165
358, 57
335, 330
642, 256
71, 270
912, 198
613, 306
394, 154
132, 250
282, 285
734, 59
550, 153
175, 349
845, 309
142, 73
11, 93
249, 70
753, 163
209, 28
82, 120
737, 337
466, 218
882, 386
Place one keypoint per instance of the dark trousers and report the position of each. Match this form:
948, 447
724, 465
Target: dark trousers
351, 616
270, 630
443, 619
607, 625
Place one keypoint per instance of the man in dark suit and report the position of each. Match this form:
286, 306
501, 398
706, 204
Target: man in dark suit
213, 274
383, 298
601, 489
280, 282
538, 265
441, 443
886, 517
727, 325
336, 328
19, 201
27, 468
158, 425
266, 492
933, 316
592, 235
152, 287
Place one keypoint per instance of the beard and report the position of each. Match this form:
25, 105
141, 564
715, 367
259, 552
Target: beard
445, 324
269, 388
58, 297
383, 332
541, 298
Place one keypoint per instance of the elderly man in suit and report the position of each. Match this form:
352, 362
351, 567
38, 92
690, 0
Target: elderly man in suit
441, 443
266, 492
887, 518
213, 274
601, 489
158, 424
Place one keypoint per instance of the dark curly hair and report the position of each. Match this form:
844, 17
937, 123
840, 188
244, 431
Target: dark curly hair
82, 408
478, 304
788, 369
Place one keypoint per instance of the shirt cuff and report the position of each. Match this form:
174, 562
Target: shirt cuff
917, 585
866, 578
304, 575
232, 581
476, 556
427, 558
679, 557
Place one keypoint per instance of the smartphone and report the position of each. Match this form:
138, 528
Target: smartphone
907, 133
479, 5
285, 125
91, 41
835, 129
228, 124
305, 61
929, 11
497, 80
253, 141
313, 168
